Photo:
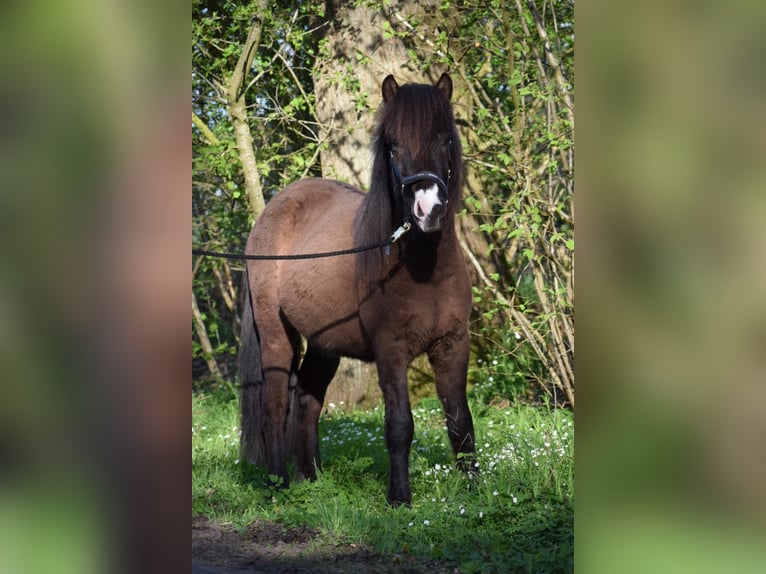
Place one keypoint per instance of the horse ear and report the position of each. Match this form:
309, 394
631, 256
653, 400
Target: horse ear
389, 88
445, 85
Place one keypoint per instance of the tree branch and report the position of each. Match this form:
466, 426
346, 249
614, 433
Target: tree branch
204, 341
553, 62
238, 112
206, 131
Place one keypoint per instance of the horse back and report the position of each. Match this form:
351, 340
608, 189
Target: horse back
316, 296
310, 213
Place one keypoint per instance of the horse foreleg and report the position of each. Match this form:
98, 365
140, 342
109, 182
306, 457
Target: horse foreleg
399, 429
316, 372
449, 361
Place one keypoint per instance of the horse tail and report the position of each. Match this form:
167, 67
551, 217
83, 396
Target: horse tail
253, 446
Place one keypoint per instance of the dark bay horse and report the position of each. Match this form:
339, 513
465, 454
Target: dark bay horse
375, 306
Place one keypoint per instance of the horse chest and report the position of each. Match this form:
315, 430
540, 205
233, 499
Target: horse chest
413, 315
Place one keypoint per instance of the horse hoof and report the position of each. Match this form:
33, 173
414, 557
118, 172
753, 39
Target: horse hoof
400, 500
398, 503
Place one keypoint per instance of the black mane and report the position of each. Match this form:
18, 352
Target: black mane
413, 119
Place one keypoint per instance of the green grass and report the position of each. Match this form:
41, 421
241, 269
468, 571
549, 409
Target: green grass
516, 516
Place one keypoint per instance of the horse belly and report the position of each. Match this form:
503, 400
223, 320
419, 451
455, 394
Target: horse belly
321, 306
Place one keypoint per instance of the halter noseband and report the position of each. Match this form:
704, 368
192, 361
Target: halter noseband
422, 175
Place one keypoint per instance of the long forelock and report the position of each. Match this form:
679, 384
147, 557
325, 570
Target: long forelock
416, 115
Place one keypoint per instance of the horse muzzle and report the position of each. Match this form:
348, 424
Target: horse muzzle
430, 201
427, 208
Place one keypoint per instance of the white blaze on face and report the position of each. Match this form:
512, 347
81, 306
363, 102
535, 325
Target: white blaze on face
425, 200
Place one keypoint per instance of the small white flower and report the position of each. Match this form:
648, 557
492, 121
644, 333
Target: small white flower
411, 524
437, 466
495, 493
462, 510
517, 335
481, 514
444, 499
515, 500
236, 461
426, 522
331, 405
494, 361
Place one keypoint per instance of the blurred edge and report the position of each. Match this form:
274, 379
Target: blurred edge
671, 276
94, 227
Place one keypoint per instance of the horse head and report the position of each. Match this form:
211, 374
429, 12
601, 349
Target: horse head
418, 136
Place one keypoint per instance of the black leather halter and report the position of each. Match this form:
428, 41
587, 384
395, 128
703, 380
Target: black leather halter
422, 176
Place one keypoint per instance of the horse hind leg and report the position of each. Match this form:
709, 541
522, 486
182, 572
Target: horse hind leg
268, 365
316, 372
279, 407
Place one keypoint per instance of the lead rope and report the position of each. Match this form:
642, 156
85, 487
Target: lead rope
402, 229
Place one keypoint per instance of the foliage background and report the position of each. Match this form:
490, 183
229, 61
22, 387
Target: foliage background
303, 80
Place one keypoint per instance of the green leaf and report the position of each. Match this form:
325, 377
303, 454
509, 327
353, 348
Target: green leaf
529, 254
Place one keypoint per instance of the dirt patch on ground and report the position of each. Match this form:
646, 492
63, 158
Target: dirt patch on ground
271, 548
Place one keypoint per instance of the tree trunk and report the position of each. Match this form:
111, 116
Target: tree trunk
361, 50
360, 53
